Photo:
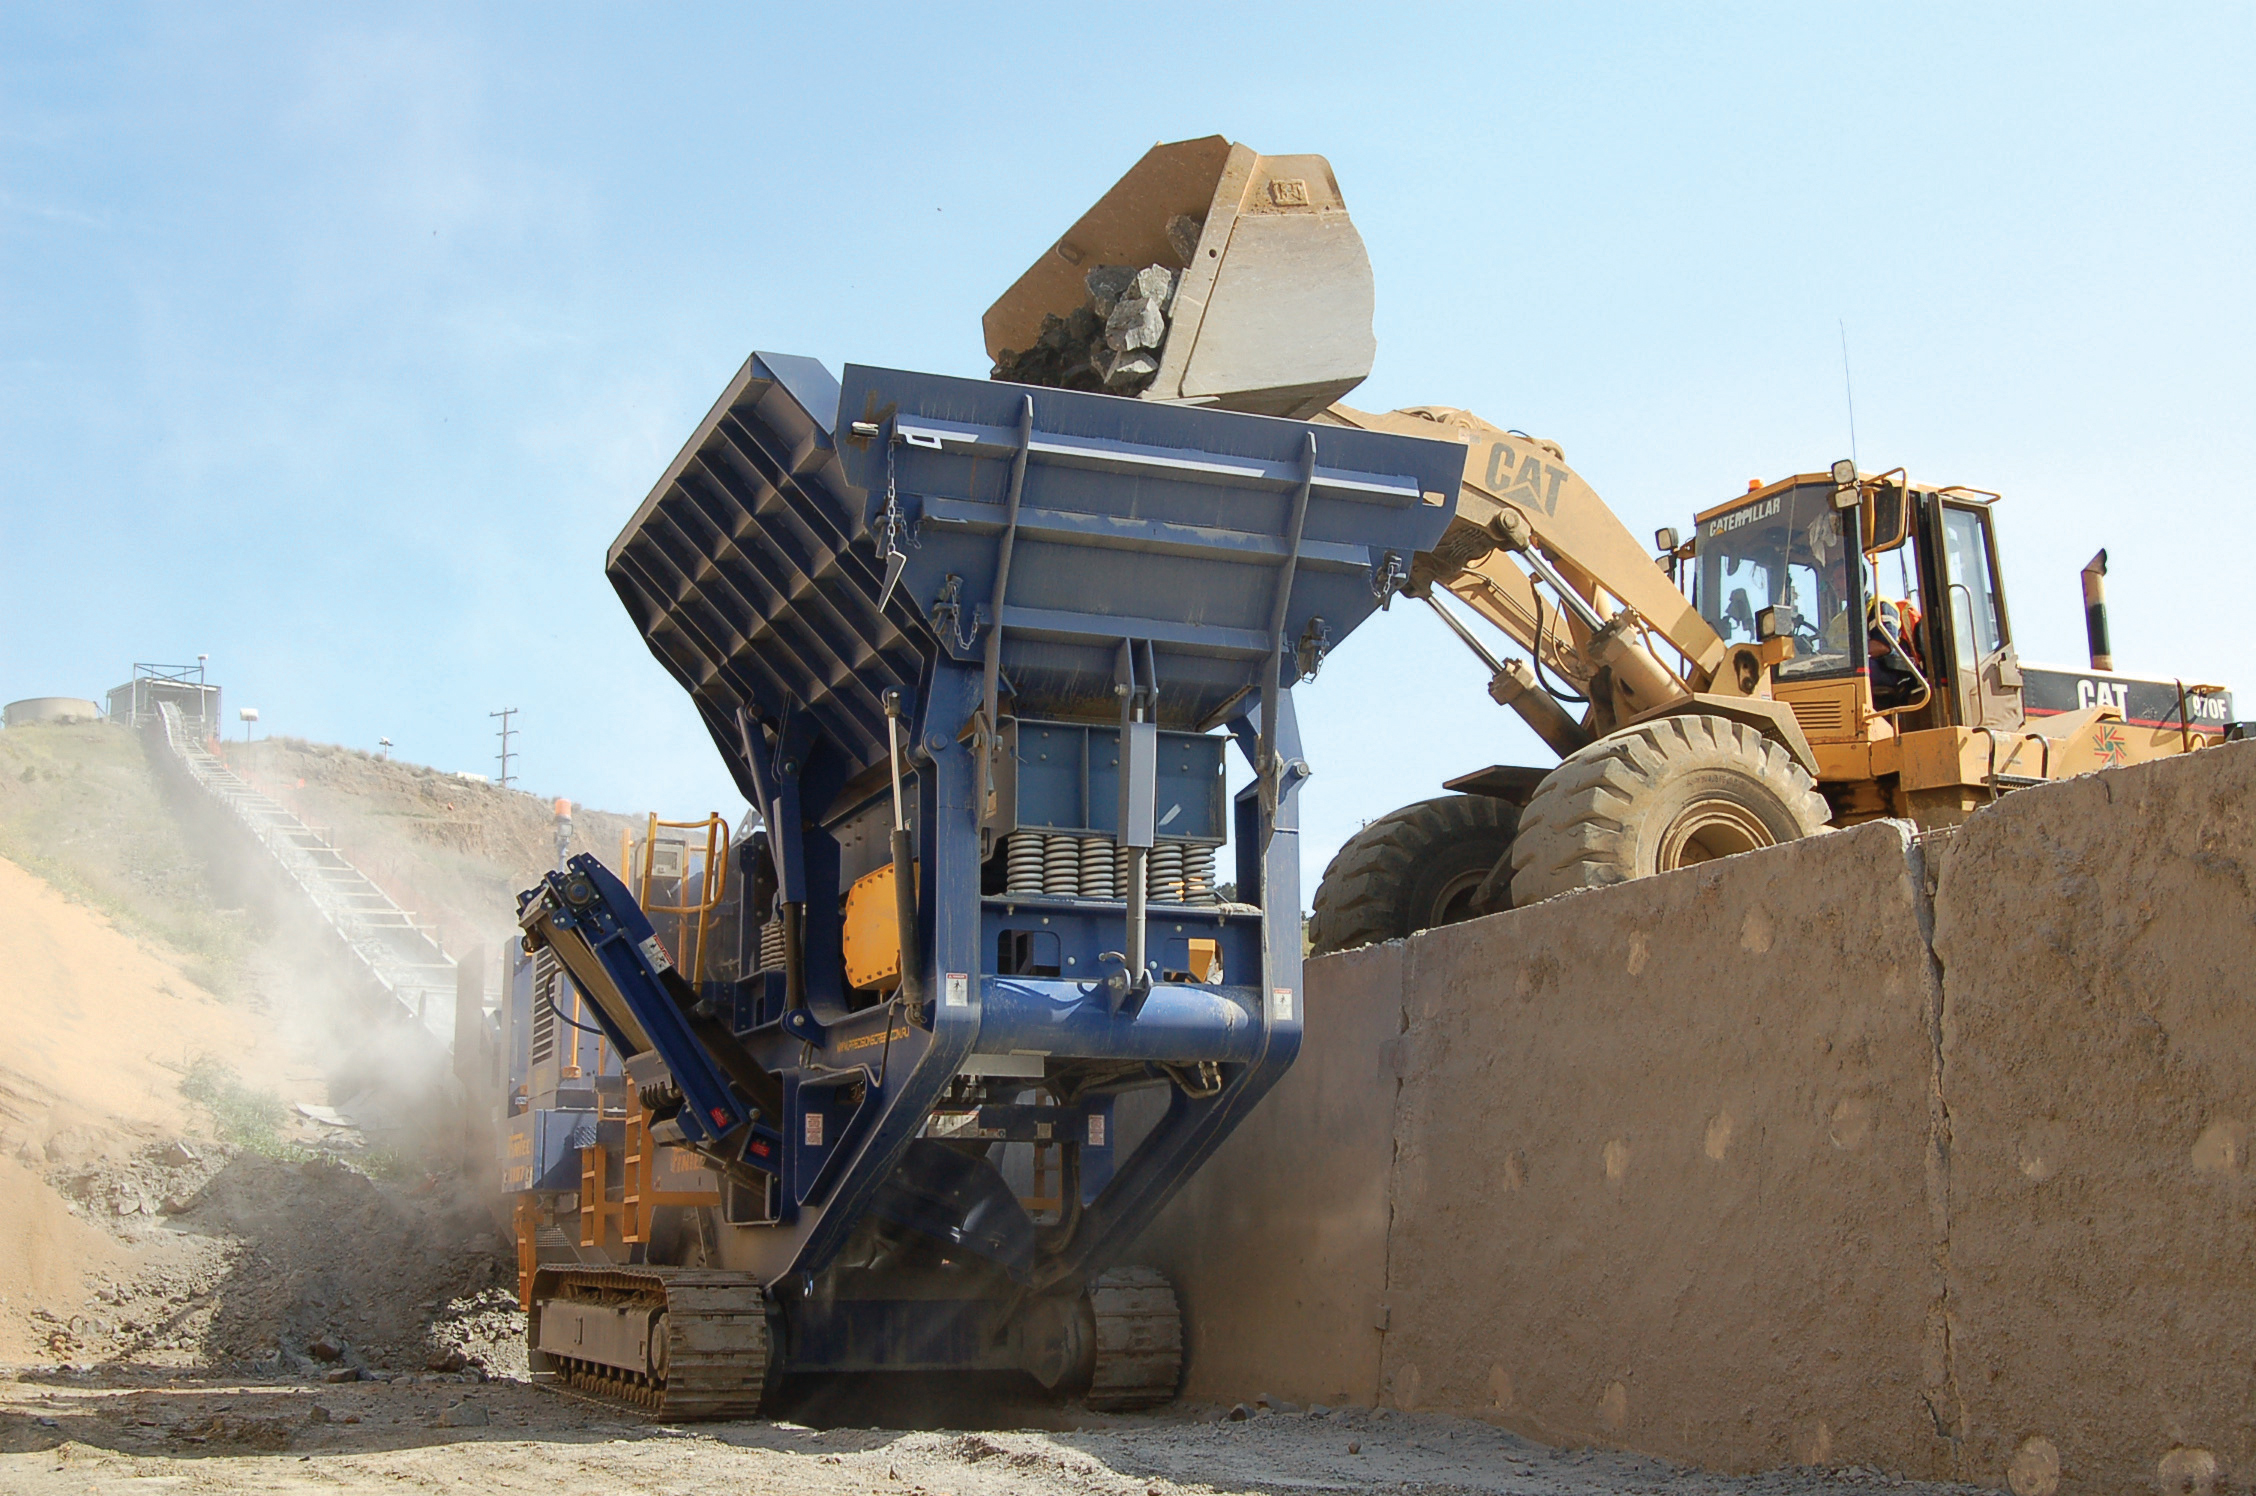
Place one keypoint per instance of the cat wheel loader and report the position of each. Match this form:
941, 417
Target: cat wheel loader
1822, 650
1819, 651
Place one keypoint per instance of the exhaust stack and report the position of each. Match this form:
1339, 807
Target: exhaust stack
2095, 612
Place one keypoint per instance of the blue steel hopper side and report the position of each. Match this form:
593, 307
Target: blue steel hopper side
1062, 606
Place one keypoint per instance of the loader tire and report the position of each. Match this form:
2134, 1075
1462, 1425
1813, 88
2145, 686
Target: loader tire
1659, 796
1424, 866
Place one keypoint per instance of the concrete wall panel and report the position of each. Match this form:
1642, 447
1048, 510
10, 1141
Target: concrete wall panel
1801, 1157
1278, 1246
1663, 1164
2098, 942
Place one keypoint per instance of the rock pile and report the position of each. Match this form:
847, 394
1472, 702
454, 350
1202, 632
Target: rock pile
307, 1268
1112, 342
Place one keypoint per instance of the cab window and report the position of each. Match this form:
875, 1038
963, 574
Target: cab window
1976, 618
1783, 552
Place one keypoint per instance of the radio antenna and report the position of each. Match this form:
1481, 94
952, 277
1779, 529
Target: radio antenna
1848, 388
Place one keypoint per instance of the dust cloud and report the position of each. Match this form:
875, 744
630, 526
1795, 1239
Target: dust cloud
222, 1144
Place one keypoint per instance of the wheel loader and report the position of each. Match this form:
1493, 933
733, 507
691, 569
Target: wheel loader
1818, 651
1822, 650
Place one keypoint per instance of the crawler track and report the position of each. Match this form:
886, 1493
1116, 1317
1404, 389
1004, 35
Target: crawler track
707, 1351
1139, 1340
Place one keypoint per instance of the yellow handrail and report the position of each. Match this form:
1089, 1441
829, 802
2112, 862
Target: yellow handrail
691, 913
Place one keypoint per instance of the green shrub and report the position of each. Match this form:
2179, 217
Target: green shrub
248, 1118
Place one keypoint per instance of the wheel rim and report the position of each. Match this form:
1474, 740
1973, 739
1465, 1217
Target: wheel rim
661, 1347
1708, 829
1454, 904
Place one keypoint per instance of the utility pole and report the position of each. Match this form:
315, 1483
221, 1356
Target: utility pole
505, 714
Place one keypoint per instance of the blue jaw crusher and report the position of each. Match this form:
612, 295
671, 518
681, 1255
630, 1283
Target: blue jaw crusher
974, 652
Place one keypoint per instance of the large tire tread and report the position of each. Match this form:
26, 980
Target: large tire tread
1583, 826
1366, 892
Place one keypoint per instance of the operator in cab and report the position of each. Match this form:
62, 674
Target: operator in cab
1892, 654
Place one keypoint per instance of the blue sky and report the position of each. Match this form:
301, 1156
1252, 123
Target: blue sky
338, 342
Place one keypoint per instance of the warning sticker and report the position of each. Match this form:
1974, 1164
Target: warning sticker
958, 992
814, 1129
1281, 1004
655, 954
1096, 1129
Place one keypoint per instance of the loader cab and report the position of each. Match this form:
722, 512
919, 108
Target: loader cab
1889, 595
1976, 675
1778, 564
1931, 563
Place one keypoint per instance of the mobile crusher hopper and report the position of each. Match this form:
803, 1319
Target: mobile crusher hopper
974, 652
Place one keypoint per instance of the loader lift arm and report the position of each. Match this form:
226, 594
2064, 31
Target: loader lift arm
1527, 524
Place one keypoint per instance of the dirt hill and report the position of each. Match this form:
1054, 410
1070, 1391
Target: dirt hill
81, 807
166, 1196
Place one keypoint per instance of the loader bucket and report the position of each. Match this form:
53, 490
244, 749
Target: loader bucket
1271, 312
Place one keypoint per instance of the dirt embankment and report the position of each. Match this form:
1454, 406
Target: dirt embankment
162, 1200
167, 1197
81, 807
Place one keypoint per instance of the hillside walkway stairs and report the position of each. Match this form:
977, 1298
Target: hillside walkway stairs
402, 956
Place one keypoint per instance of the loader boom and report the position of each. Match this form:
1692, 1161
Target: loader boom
1522, 511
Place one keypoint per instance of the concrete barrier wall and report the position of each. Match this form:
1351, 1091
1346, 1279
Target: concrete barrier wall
1932, 1157
1655, 1151
1278, 1247
2098, 943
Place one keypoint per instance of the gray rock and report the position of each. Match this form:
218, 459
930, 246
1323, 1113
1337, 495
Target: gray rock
1154, 283
341, 1374
1105, 284
1137, 322
1129, 369
464, 1414
1054, 335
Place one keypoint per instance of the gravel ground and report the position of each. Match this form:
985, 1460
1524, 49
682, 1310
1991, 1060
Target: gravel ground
149, 1430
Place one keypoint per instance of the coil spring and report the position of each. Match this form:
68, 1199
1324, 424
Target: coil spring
1061, 867
1022, 862
1166, 864
1097, 880
771, 945
1198, 875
